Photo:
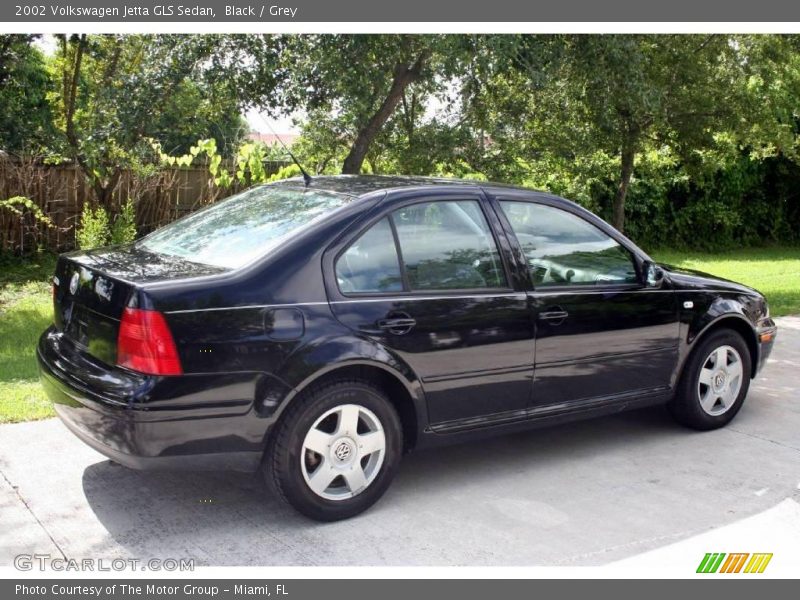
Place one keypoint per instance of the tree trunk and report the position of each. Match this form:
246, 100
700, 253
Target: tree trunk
626, 172
104, 188
70, 99
403, 77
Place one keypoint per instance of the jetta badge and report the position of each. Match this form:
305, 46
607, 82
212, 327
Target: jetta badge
73, 283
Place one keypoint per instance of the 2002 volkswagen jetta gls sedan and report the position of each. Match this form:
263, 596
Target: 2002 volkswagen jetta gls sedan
317, 332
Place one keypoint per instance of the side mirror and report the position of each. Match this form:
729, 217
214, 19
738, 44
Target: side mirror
653, 274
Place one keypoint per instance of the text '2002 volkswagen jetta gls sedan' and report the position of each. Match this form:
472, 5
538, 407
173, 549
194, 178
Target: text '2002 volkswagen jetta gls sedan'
317, 332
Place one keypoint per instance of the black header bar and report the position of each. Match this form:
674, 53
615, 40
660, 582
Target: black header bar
451, 11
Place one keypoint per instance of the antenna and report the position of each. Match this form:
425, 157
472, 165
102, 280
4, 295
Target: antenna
306, 176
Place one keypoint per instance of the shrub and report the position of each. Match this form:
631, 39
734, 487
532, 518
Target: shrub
123, 231
19, 207
284, 173
93, 231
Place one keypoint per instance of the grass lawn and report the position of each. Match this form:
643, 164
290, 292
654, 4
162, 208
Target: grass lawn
775, 272
26, 310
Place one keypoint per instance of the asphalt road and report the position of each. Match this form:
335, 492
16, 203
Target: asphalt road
587, 493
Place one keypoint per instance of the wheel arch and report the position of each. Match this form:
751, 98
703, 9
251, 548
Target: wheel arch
732, 321
381, 369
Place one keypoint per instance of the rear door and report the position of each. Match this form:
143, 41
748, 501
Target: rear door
429, 279
601, 335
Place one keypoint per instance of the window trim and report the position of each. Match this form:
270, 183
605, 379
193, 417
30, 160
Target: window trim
399, 252
636, 258
387, 209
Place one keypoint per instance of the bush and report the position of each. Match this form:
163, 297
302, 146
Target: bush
96, 230
93, 231
743, 202
20, 207
124, 229
284, 173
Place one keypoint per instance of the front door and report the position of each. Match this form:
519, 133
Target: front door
601, 335
427, 281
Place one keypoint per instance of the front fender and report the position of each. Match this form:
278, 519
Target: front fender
710, 311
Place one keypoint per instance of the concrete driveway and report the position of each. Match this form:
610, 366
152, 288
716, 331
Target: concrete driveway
587, 493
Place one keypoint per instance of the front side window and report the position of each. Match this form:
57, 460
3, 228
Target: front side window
563, 249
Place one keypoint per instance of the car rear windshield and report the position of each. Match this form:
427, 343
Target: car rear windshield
243, 227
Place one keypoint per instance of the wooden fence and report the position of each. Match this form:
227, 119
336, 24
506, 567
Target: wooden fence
61, 192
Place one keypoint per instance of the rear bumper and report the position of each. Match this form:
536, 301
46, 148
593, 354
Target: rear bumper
187, 422
221, 461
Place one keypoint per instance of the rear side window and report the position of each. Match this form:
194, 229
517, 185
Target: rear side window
445, 245
563, 249
370, 264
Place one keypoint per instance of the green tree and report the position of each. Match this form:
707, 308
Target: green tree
114, 92
578, 96
197, 110
25, 118
357, 83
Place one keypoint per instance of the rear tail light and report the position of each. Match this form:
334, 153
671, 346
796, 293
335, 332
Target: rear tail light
145, 343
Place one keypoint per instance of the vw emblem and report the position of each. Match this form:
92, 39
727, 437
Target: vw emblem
73, 284
719, 380
343, 451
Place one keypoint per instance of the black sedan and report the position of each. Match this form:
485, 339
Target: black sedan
318, 331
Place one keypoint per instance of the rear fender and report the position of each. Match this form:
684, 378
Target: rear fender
312, 362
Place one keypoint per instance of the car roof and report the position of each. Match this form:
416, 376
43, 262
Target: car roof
359, 185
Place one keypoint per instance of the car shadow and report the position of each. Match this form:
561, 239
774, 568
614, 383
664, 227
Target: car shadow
222, 518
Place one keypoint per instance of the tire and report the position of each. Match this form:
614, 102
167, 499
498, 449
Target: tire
724, 363
314, 447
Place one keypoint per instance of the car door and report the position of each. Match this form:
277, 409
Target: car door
601, 334
429, 279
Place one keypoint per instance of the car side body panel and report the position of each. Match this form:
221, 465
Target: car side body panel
251, 341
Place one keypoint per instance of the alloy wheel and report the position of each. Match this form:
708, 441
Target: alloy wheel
343, 452
720, 380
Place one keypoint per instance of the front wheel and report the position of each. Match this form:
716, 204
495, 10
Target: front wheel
335, 451
714, 383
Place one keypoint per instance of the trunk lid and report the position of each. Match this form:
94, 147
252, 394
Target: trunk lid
94, 287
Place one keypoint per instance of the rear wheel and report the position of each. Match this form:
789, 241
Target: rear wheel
714, 383
335, 451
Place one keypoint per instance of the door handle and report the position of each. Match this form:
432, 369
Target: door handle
555, 316
397, 324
